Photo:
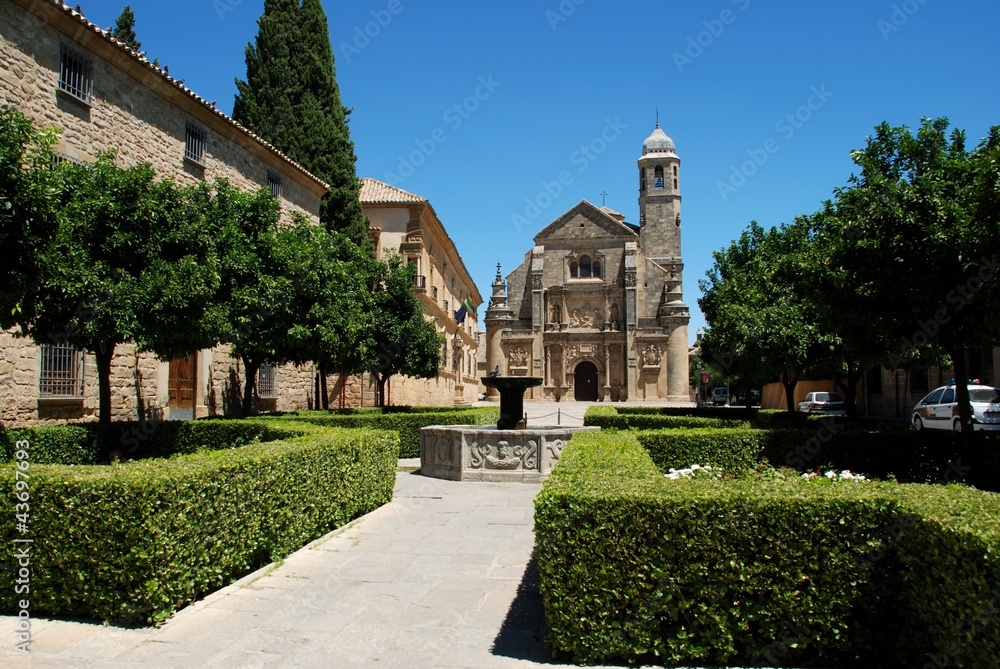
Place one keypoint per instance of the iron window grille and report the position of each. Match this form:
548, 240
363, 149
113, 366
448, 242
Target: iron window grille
76, 74
194, 143
61, 371
267, 381
274, 183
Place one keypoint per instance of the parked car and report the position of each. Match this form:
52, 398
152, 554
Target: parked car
939, 410
720, 396
823, 402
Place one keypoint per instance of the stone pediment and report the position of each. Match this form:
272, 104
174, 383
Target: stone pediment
585, 221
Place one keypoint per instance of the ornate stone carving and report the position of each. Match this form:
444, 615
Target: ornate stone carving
571, 352
537, 282
651, 356
583, 319
504, 458
555, 448
528, 454
556, 313
630, 279
518, 357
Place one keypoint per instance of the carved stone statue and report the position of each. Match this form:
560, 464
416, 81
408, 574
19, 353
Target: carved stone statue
614, 312
556, 313
651, 356
519, 357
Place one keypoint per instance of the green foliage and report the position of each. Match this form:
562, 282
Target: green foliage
291, 99
761, 324
92, 444
132, 543
28, 209
130, 260
767, 570
403, 341
405, 423
124, 30
615, 418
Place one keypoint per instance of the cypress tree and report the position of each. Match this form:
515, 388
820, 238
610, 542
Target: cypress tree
291, 99
124, 30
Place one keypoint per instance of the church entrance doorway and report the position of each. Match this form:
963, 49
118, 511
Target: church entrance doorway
585, 382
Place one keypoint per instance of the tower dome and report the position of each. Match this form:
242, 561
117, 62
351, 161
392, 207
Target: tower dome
658, 142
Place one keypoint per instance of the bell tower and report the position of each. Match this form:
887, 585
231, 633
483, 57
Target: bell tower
660, 198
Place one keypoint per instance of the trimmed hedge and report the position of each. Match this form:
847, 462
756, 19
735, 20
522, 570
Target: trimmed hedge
616, 418
909, 457
91, 443
131, 543
766, 570
406, 424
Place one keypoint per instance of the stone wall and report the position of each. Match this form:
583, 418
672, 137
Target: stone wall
135, 110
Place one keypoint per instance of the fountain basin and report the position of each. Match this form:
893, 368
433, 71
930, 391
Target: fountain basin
486, 453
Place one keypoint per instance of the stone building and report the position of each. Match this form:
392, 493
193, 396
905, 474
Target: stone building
65, 72
407, 224
596, 309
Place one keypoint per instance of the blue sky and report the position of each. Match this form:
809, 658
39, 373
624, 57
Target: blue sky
480, 106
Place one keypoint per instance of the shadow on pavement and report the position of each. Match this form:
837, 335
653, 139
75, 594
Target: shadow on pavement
522, 634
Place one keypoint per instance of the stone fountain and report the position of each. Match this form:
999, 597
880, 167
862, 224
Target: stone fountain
508, 452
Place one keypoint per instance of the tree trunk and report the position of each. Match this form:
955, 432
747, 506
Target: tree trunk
380, 382
964, 408
250, 369
104, 354
789, 381
849, 388
324, 393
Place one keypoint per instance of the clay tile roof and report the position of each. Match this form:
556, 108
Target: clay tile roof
374, 191
179, 84
613, 214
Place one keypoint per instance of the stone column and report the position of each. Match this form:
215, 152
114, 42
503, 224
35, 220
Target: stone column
678, 377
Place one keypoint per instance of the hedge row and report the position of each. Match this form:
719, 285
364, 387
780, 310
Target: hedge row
91, 443
772, 570
406, 424
645, 418
909, 457
131, 543
622, 418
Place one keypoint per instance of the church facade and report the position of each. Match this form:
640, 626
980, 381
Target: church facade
597, 309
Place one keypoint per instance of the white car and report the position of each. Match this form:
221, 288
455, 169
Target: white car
831, 404
939, 410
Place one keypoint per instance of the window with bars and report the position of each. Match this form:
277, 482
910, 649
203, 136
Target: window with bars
76, 74
58, 158
274, 183
267, 381
61, 371
194, 143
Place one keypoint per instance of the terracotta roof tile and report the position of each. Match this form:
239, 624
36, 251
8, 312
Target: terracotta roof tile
377, 192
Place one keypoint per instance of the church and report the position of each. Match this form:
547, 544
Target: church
597, 308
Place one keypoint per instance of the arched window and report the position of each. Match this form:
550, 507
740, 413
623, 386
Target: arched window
658, 177
597, 269
675, 177
573, 270
585, 267
642, 178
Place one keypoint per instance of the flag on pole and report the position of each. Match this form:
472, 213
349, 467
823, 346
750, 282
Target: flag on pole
460, 315
469, 306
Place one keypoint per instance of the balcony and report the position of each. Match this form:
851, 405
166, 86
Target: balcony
420, 284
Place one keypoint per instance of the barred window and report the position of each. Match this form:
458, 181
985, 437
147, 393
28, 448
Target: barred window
58, 157
267, 381
61, 371
194, 143
76, 74
274, 183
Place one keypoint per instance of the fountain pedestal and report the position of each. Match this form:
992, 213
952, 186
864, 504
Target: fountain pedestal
511, 389
506, 453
